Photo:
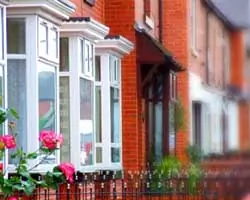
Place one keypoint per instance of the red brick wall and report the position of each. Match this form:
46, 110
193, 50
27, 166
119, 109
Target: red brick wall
175, 38
237, 78
124, 12
85, 10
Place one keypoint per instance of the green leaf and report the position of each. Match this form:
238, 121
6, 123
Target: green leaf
13, 113
29, 187
32, 156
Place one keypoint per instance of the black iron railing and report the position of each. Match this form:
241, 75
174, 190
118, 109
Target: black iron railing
228, 185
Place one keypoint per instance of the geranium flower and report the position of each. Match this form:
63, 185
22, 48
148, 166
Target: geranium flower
9, 141
50, 139
13, 198
68, 170
1, 167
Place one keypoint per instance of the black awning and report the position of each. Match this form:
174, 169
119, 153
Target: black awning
151, 51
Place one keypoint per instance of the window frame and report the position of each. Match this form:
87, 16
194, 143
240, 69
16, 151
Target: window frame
50, 27
194, 30
33, 58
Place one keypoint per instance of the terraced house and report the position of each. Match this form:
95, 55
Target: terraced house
101, 73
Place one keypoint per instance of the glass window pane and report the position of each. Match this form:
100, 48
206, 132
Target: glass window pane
115, 115
64, 54
115, 155
86, 121
15, 36
43, 39
54, 43
1, 34
47, 100
98, 117
1, 95
172, 127
98, 68
65, 117
158, 131
98, 155
17, 99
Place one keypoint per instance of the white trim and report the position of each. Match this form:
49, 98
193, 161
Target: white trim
53, 7
91, 30
117, 46
3, 2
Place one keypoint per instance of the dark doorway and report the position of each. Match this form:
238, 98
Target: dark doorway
197, 123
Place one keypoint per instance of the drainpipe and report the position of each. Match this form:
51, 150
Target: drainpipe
160, 20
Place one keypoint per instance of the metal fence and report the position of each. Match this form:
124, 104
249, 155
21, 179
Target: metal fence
149, 186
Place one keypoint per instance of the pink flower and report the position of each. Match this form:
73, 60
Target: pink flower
9, 141
50, 139
68, 170
1, 167
12, 198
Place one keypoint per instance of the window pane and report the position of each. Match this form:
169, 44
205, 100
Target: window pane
158, 107
98, 155
86, 121
98, 68
172, 127
1, 95
1, 34
16, 36
17, 99
65, 117
115, 115
43, 39
54, 43
98, 117
64, 54
47, 100
115, 155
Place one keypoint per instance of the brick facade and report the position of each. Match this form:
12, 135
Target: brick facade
120, 16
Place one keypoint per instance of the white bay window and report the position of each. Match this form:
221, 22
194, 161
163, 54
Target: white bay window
32, 73
94, 117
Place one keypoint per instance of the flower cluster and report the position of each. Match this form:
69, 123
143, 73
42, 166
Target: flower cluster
50, 142
50, 139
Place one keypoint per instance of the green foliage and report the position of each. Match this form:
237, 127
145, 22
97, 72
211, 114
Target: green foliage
194, 153
179, 116
22, 180
169, 166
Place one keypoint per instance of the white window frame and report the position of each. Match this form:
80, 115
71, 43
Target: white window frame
49, 40
33, 59
173, 85
194, 31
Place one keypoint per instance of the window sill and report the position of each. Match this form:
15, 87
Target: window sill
94, 168
149, 22
194, 52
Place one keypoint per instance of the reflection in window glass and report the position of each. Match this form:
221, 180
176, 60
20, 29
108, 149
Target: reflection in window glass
86, 121
16, 36
98, 155
98, 117
115, 115
65, 117
98, 68
64, 54
115, 123
17, 99
1, 34
1, 95
43, 39
47, 100
54, 43
115, 155
172, 127
158, 108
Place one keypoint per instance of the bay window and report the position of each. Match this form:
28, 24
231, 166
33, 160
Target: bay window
32, 81
94, 135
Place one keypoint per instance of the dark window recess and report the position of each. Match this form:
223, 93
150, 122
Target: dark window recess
197, 123
90, 2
